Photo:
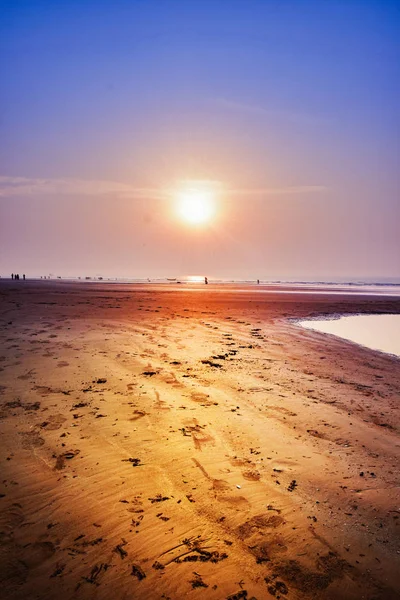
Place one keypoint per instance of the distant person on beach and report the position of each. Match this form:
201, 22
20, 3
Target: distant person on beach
206, 280
23, 276
12, 275
258, 282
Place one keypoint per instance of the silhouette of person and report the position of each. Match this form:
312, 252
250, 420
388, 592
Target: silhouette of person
206, 280
258, 282
23, 276
12, 275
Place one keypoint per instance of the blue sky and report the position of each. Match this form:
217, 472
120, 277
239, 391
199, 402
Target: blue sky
291, 106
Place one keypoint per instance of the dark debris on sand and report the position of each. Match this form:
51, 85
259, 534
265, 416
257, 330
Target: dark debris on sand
241, 595
211, 364
95, 573
119, 549
197, 582
135, 462
158, 498
138, 572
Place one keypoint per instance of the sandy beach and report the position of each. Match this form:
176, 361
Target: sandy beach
166, 442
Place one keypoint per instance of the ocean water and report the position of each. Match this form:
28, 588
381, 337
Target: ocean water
373, 287
379, 332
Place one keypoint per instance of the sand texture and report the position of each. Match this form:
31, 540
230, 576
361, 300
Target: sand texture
168, 443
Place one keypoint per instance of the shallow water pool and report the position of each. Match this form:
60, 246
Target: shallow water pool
379, 332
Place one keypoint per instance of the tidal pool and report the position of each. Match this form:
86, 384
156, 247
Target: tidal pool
379, 332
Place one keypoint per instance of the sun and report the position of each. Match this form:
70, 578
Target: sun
196, 206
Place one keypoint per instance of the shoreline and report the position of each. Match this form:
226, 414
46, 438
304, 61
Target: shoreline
349, 288
147, 429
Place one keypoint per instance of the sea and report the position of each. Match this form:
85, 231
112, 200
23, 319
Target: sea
375, 286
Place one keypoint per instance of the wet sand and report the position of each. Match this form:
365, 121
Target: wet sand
193, 442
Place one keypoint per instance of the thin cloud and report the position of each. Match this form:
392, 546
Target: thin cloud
300, 189
24, 186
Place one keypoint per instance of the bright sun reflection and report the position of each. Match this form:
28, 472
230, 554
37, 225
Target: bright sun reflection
196, 206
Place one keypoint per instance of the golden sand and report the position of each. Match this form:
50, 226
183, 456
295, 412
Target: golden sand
166, 443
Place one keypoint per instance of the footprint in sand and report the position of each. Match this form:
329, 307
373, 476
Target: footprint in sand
12, 571
259, 524
267, 550
160, 404
53, 422
262, 538
219, 485
328, 568
201, 398
44, 390
170, 377
241, 462
10, 518
251, 475
33, 555
237, 502
29, 375
282, 410
138, 414
31, 439
199, 437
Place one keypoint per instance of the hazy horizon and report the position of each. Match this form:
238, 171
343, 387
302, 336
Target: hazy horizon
197, 278
285, 114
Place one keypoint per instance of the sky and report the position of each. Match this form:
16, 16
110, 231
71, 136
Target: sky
285, 112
